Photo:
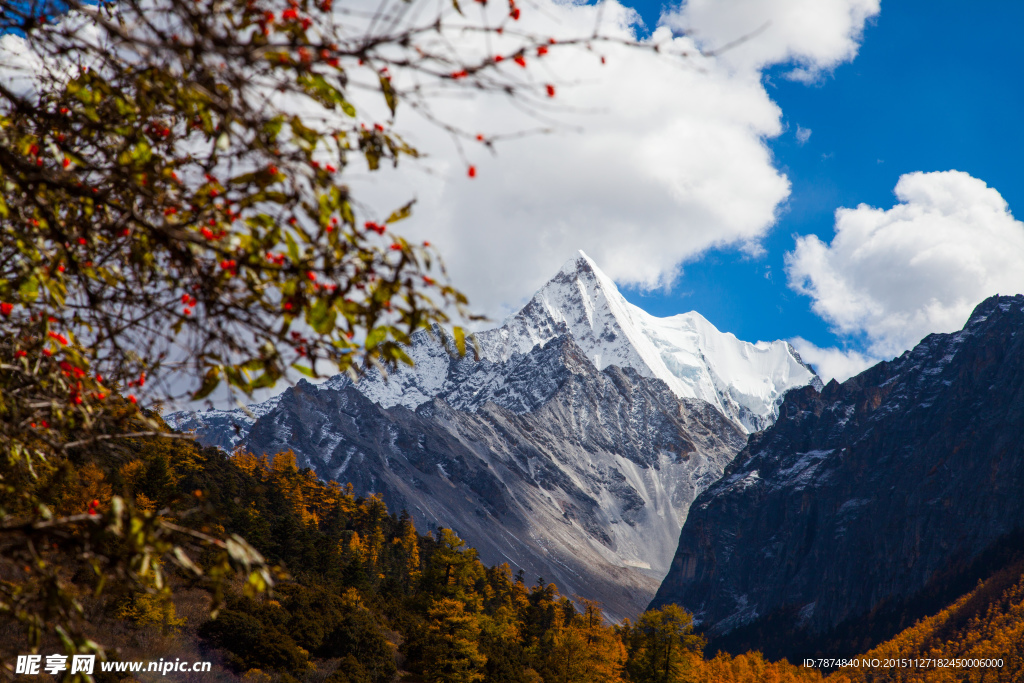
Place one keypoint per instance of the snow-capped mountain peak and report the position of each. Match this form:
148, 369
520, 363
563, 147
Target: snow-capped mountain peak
745, 381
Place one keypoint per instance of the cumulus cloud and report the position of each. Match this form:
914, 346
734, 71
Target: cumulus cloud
815, 35
832, 363
892, 276
802, 134
653, 161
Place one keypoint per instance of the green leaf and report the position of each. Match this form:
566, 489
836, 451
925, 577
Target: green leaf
321, 317
346, 213
326, 93
236, 378
263, 381
308, 372
246, 178
400, 355
376, 336
210, 382
401, 213
293, 248
29, 289
273, 127
460, 340
306, 137
389, 93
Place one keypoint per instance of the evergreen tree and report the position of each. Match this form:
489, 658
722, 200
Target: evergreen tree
452, 655
659, 644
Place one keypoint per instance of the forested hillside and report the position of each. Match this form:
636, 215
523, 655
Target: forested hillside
362, 597
982, 627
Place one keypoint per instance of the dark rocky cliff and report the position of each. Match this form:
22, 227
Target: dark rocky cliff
866, 494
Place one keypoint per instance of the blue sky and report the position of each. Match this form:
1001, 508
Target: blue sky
936, 85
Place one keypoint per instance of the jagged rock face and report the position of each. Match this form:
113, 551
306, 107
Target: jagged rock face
580, 476
866, 491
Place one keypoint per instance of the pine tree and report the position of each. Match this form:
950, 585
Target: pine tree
658, 645
452, 655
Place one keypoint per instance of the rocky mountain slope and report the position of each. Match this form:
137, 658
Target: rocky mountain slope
868, 493
571, 447
588, 488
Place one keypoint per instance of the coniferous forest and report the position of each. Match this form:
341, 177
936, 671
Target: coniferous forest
361, 596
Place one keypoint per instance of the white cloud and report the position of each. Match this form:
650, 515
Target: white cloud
802, 134
653, 160
832, 363
657, 160
893, 276
816, 35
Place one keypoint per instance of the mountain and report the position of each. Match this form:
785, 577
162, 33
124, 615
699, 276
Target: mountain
742, 380
221, 428
571, 445
864, 499
586, 488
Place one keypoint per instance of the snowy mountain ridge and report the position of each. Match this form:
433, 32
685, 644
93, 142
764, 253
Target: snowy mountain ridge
744, 381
